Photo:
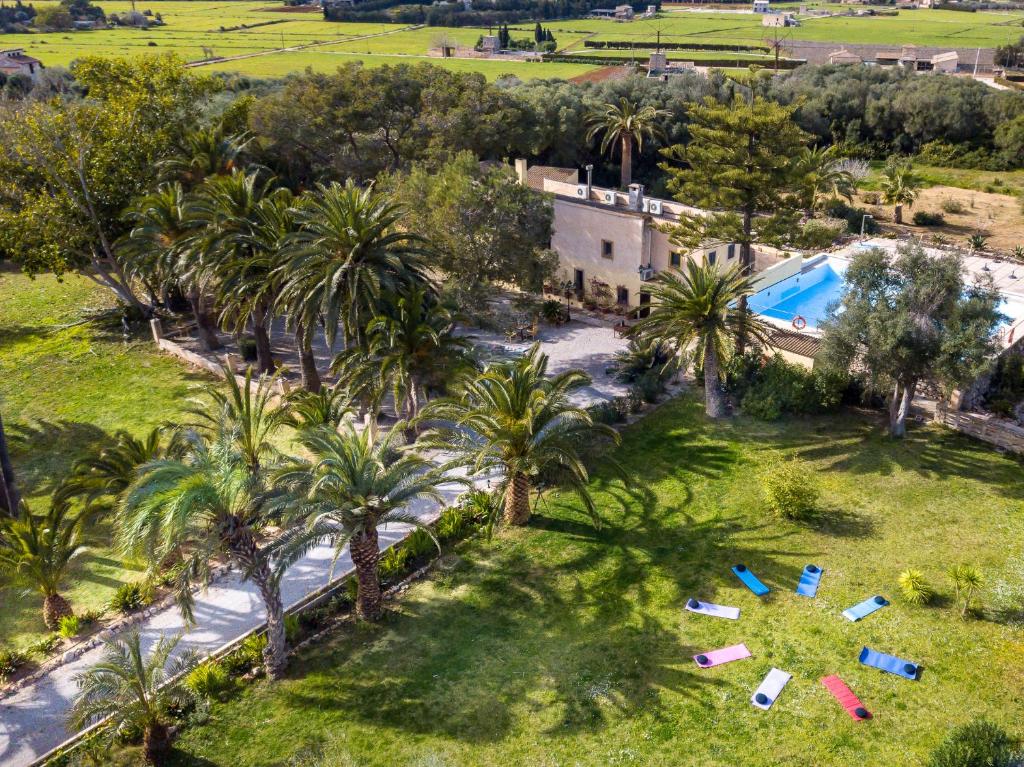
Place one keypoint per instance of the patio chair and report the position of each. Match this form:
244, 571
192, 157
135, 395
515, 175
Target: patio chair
531, 332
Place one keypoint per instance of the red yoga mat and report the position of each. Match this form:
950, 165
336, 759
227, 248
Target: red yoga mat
845, 696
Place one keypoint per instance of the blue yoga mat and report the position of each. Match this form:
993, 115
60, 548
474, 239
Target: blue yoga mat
750, 580
866, 607
890, 663
809, 579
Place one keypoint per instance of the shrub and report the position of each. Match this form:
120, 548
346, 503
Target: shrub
853, 217
872, 198
11, 661
790, 489
953, 207
130, 597
607, 413
818, 233
924, 218
247, 656
767, 389
967, 581
292, 628
552, 311
975, 744
645, 358
914, 588
392, 563
650, 386
247, 348
419, 545
43, 647
208, 682
68, 626
453, 523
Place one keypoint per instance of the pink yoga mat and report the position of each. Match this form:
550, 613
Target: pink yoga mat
726, 654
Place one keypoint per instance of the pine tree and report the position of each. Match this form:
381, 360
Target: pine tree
741, 163
538, 34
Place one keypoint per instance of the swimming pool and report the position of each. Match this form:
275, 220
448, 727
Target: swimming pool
807, 294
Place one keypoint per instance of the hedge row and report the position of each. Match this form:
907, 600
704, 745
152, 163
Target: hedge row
654, 45
724, 63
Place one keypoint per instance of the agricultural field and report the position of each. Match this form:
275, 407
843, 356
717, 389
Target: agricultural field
195, 28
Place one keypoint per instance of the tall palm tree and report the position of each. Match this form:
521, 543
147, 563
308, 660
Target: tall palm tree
626, 124
410, 347
250, 418
37, 549
206, 506
136, 691
353, 484
900, 186
701, 306
227, 208
160, 247
514, 419
10, 498
100, 480
822, 175
349, 251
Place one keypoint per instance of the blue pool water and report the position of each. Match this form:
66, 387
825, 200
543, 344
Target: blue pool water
806, 295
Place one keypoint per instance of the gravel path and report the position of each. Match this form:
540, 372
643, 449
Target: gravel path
32, 720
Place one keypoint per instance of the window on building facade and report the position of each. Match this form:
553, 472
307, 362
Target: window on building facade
675, 259
607, 249
731, 252
622, 295
712, 257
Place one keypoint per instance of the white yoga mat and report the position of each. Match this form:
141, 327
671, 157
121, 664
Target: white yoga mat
718, 611
771, 688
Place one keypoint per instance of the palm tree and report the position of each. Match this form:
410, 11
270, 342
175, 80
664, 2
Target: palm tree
227, 209
346, 255
353, 484
37, 549
205, 506
251, 418
701, 306
100, 480
160, 249
900, 186
327, 407
135, 691
823, 175
204, 152
514, 419
625, 124
10, 499
643, 357
410, 347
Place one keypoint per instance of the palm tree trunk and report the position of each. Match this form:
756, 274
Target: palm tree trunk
204, 324
747, 269
365, 551
10, 500
714, 401
626, 174
517, 500
264, 354
307, 360
897, 214
156, 743
55, 607
275, 654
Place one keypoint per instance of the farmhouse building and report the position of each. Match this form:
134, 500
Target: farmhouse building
762, 6
610, 241
14, 61
843, 56
779, 20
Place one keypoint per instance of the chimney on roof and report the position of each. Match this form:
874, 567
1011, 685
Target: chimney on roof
521, 170
636, 196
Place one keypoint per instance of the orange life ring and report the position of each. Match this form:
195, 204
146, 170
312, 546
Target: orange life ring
799, 322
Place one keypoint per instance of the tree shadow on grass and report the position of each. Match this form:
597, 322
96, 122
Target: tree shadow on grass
43, 451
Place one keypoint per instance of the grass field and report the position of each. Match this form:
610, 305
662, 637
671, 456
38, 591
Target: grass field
64, 391
561, 645
194, 25
1002, 182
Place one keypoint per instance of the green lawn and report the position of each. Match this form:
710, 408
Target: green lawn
562, 645
1002, 182
64, 391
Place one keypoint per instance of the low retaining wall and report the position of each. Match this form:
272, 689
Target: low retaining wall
986, 428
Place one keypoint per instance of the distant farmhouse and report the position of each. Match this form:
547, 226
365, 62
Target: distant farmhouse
14, 61
907, 57
619, 12
779, 20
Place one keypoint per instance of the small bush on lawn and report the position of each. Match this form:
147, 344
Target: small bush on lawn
967, 582
924, 218
767, 389
68, 626
790, 489
914, 588
208, 682
11, 661
953, 207
42, 648
130, 597
976, 744
607, 413
247, 656
649, 387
